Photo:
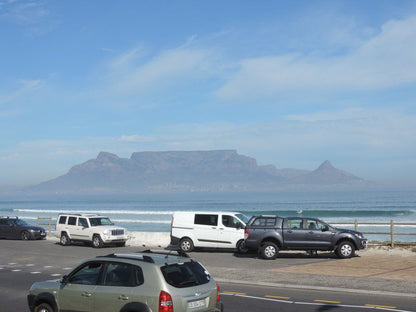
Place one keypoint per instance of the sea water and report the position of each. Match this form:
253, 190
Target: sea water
153, 213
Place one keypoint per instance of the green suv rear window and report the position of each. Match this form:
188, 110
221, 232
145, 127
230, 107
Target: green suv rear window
186, 274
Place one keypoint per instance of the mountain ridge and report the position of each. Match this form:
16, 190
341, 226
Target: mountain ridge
189, 171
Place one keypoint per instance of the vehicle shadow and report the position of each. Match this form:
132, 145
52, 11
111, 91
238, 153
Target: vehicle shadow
291, 254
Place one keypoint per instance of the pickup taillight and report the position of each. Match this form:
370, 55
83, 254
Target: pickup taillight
246, 234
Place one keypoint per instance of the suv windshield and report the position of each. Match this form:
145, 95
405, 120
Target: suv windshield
100, 221
186, 274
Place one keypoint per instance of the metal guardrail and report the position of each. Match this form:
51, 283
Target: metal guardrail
392, 233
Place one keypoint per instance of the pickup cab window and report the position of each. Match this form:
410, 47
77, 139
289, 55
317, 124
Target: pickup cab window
293, 224
264, 221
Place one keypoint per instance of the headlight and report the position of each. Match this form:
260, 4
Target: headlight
106, 233
359, 235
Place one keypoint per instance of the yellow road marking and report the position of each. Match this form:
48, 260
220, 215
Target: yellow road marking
233, 293
380, 306
327, 301
277, 297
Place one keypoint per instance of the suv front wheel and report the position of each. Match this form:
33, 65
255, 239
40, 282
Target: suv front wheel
97, 242
269, 251
43, 307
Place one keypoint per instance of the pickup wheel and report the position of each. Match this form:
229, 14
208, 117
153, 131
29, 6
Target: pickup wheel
269, 251
97, 242
345, 250
186, 244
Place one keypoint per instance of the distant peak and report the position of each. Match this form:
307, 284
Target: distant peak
326, 165
106, 156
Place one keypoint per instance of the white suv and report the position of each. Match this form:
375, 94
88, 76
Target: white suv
91, 228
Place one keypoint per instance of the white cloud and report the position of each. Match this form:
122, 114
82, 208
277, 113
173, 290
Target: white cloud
384, 61
130, 74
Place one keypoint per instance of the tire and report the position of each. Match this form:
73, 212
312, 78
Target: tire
241, 247
97, 242
186, 245
25, 235
64, 240
269, 251
43, 307
345, 250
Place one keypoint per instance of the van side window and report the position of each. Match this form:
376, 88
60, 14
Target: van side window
72, 220
62, 219
206, 219
230, 221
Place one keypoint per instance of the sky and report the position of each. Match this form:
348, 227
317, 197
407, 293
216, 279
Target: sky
289, 83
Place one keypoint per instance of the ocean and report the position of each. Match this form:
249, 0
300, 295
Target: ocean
152, 213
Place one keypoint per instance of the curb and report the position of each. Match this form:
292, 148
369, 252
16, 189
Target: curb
310, 287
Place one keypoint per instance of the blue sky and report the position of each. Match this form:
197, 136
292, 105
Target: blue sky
290, 83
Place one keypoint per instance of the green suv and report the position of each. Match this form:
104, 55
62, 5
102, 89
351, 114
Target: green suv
130, 282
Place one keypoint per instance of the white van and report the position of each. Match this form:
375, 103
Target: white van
208, 229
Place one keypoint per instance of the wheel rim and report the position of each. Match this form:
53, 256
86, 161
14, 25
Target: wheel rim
269, 251
63, 240
346, 250
186, 245
25, 236
242, 247
96, 241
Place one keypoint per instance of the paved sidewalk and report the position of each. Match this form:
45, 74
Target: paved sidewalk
382, 271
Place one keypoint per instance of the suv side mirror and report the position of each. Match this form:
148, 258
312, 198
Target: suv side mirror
64, 279
239, 226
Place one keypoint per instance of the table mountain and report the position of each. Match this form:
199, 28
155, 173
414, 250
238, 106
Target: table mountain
185, 171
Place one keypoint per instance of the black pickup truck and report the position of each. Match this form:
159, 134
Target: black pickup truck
269, 234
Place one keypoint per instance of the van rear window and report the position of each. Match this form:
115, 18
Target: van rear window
206, 219
188, 274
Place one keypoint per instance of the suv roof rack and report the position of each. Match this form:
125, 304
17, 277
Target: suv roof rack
144, 258
180, 253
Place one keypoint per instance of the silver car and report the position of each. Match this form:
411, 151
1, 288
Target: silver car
133, 282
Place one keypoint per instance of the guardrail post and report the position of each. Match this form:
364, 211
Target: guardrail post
356, 225
392, 232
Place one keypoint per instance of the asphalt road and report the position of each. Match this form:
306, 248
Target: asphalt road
22, 263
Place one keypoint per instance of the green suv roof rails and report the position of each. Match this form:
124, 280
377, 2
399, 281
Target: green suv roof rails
179, 253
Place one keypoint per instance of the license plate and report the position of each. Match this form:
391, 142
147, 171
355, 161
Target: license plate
196, 304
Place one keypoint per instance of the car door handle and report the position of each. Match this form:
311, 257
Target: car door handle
311, 232
86, 294
123, 297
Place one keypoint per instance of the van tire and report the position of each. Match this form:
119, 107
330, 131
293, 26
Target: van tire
186, 244
241, 247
